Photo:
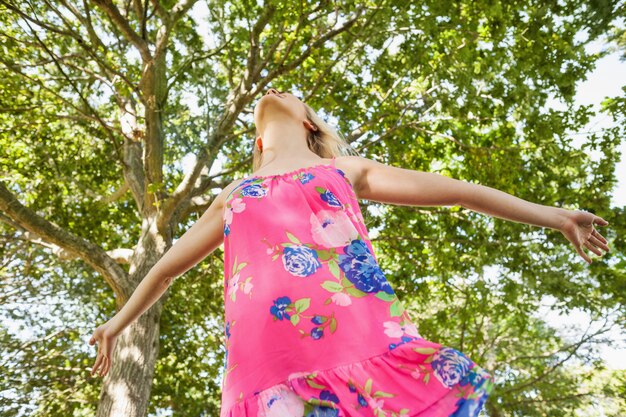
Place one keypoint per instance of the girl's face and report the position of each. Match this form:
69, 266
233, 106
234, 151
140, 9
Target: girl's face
278, 106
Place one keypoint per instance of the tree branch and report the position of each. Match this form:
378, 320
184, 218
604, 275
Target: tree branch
89, 252
123, 25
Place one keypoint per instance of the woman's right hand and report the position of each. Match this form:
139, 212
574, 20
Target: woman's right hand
106, 343
578, 228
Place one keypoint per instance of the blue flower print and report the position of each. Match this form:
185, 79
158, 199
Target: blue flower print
360, 399
272, 400
278, 309
323, 411
330, 198
450, 366
329, 396
361, 269
306, 177
227, 333
226, 346
227, 230
253, 190
476, 377
404, 339
317, 333
300, 261
469, 407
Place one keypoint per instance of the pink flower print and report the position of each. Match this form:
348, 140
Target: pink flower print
377, 405
233, 283
237, 205
247, 287
341, 299
332, 228
411, 330
395, 329
284, 403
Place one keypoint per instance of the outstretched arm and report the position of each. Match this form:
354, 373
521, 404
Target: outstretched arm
388, 184
194, 245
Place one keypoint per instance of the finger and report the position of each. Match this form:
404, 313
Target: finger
97, 364
108, 367
593, 249
92, 340
600, 220
597, 242
106, 371
583, 254
104, 364
598, 235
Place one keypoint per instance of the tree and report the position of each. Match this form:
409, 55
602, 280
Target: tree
103, 101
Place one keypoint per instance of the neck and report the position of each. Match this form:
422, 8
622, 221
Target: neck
284, 141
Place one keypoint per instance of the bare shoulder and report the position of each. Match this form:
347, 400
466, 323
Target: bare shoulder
355, 167
220, 199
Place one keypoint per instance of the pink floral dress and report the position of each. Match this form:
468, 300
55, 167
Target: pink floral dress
312, 326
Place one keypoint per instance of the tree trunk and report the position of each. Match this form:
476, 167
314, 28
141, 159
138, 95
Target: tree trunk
126, 388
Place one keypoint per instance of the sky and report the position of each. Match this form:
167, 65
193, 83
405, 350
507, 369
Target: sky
605, 81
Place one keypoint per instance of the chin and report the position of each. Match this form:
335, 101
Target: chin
273, 105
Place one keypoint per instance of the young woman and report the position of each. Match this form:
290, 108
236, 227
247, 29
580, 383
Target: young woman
313, 328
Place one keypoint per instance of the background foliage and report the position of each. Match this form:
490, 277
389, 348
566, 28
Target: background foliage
457, 88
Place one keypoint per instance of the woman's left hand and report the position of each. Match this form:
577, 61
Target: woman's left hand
578, 228
106, 345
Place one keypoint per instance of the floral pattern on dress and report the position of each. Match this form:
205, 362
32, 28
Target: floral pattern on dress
235, 283
227, 369
306, 291
284, 308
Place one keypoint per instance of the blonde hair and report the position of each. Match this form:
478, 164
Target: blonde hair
326, 141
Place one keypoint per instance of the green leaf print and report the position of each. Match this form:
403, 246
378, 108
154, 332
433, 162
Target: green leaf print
333, 267
302, 304
333, 325
368, 386
295, 319
314, 384
396, 309
426, 378
324, 255
293, 238
379, 394
425, 351
386, 297
318, 402
355, 292
332, 286
240, 266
